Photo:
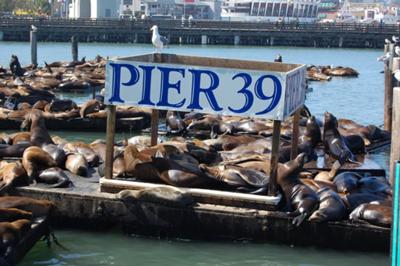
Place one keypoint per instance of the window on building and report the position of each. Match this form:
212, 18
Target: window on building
290, 10
283, 10
275, 13
269, 9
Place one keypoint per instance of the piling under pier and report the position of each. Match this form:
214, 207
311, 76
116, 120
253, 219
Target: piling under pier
83, 206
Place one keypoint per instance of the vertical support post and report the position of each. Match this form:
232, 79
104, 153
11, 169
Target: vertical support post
273, 187
157, 58
236, 40
74, 46
388, 101
395, 250
295, 134
204, 39
33, 39
111, 116
395, 144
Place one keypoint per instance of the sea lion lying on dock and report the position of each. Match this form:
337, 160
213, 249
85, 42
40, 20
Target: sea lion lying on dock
375, 214
12, 214
12, 174
38, 208
331, 207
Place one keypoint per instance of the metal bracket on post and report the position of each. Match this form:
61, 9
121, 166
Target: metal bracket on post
273, 187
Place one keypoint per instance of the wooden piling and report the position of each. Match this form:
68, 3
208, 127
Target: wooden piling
154, 127
395, 144
74, 46
273, 187
111, 116
33, 39
388, 100
295, 134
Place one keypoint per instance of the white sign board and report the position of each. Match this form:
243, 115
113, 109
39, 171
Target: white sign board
213, 88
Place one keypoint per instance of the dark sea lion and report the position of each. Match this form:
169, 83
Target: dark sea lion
346, 182
12, 214
355, 144
12, 174
331, 207
73, 86
306, 148
91, 106
181, 174
56, 153
35, 159
374, 184
16, 150
374, 214
55, 177
36, 207
38, 130
139, 166
83, 148
165, 195
312, 133
58, 105
174, 122
334, 142
354, 200
299, 197
77, 164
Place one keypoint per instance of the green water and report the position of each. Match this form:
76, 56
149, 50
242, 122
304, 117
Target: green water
360, 99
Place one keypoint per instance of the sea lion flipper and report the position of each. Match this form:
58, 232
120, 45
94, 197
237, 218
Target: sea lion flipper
299, 219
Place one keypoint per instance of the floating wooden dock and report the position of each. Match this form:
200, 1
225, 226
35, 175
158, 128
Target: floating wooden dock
350, 35
84, 206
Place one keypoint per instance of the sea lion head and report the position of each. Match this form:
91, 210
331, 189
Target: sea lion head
330, 121
291, 169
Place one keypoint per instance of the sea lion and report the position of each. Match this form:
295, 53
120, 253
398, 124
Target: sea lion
375, 185
355, 143
374, 214
16, 150
38, 208
299, 197
328, 176
55, 177
77, 164
12, 174
20, 137
35, 159
12, 214
58, 105
334, 142
10, 234
354, 200
75, 85
83, 148
346, 182
39, 134
174, 122
91, 106
331, 207
24, 106
312, 133
40, 105
165, 195
305, 147
139, 166
56, 153
316, 185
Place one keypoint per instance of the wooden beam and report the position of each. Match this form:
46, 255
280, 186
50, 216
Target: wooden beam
111, 117
33, 39
273, 187
395, 145
154, 127
74, 48
295, 134
388, 100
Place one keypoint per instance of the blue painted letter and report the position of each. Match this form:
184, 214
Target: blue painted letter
146, 85
116, 82
166, 85
196, 89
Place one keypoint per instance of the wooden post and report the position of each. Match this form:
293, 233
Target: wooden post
33, 38
111, 116
154, 127
395, 144
272, 189
74, 46
295, 134
388, 101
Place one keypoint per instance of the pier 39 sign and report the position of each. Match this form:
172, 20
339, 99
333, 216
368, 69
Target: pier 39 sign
206, 85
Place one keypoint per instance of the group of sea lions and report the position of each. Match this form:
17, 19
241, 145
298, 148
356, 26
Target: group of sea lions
17, 215
325, 73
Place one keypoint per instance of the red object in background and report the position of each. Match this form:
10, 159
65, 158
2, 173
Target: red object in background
189, 1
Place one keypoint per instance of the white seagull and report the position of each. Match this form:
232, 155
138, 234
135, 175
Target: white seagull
397, 50
33, 28
384, 58
387, 41
395, 39
158, 41
397, 74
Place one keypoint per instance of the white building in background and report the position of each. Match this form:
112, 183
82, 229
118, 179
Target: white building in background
129, 8
270, 10
94, 9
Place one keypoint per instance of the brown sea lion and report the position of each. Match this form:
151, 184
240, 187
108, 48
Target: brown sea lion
139, 166
54, 177
36, 207
56, 153
10, 234
12, 174
299, 198
83, 148
77, 164
91, 106
58, 105
334, 142
355, 199
20, 137
328, 176
331, 207
12, 214
316, 185
24, 106
374, 214
40, 105
35, 159
312, 133
38, 130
